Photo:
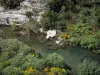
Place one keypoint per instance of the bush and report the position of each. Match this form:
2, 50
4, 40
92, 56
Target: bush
60, 71
90, 42
55, 70
30, 70
13, 27
88, 67
82, 29
49, 19
84, 35
17, 61
55, 60
16, 55
3, 64
10, 4
32, 26
10, 45
29, 14
25, 49
2, 34
10, 70
37, 63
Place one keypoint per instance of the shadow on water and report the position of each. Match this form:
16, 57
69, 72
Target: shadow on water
67, 67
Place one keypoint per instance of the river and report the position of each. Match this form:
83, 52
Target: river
72, 55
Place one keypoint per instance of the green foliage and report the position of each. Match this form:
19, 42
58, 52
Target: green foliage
56, 5
10, 4
35, 62
97, 13
55, 60
32, 26
27, 27
14, 27
25, 49
16, 57
29, 14
9, 47
61, 13
82, 29
87, 15
2, 34
17, 61
3, 64
85, 35
11, 70
13, 51
10, 44
52, 60
91, 42
49, 19
55, 71
88, 67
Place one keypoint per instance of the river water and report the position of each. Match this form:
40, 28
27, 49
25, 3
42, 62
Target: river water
72, 55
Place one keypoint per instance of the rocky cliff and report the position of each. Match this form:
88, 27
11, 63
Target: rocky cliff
7, 17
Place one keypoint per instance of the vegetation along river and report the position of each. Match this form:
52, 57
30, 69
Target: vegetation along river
72, 55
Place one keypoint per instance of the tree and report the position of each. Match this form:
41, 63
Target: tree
10, 70
88, 67
10, 4
2, 34
55, 60
49, 19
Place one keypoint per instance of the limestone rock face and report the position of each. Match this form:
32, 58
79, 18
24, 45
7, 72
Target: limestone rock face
7, 17
51, 33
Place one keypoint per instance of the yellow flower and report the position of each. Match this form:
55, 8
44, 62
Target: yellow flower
68, 36
63, 70
33, 55
30, 70
70, 27
51, 73
46, 69
65, 36
58, 70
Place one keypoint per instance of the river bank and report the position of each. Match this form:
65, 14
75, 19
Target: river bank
72, 55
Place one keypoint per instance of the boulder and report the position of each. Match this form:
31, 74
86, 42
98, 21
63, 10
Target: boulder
51, 33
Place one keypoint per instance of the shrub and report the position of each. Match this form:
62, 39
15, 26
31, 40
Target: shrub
49, 19
30, 70
65, 36
25, 49
90, 42
55, 60
37, 63
10, 45
10, 4
54, 70
4, 64
58, 70
29, 14
88, 67
17, 61
82, 29
2, 34
14, 27
10, 70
